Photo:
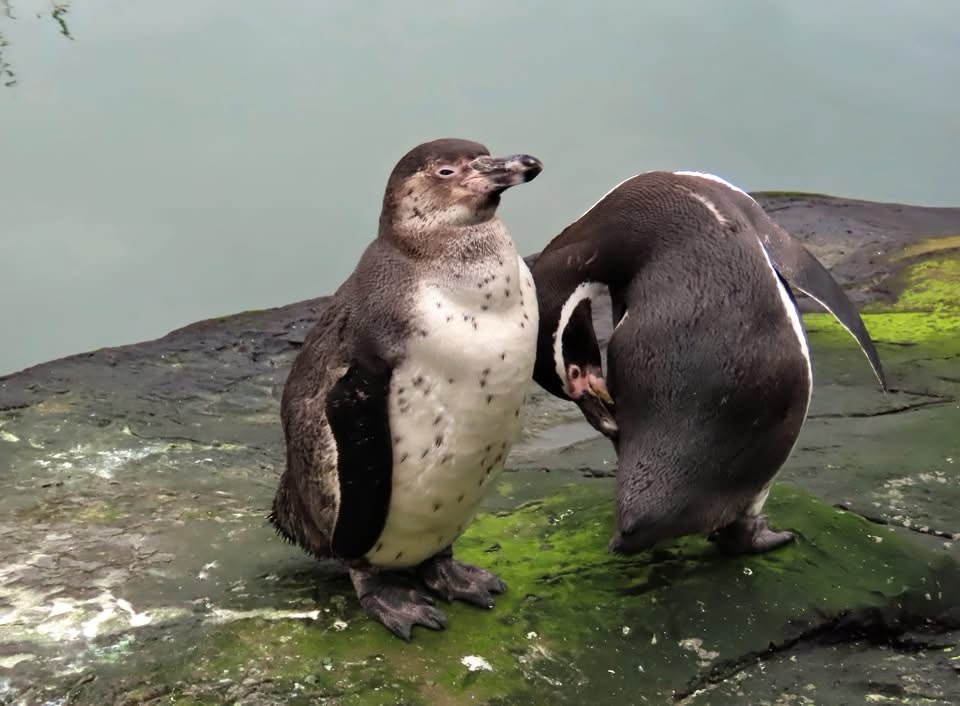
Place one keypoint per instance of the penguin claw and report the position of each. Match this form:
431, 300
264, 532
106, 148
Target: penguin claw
400, 608
750, 535
454, 580
397, 606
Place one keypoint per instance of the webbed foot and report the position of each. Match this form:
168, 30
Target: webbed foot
749, 534
454, 580
387, 599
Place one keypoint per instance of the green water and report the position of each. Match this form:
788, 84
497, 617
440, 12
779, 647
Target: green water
177, 160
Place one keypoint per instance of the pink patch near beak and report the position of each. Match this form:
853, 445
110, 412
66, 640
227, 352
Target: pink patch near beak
580, 383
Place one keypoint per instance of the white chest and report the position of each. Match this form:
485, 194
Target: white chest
456, 405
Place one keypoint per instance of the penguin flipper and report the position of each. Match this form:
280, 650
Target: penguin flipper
358, 413
804, 272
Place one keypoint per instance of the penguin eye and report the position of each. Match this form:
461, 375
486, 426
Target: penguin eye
446, 171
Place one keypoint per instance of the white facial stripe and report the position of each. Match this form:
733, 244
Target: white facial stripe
584, 290
715, 178
711, 206
794, 317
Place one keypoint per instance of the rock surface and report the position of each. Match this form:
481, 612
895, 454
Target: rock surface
137, 565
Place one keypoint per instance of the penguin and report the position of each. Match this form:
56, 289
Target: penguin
708, 373
401, 406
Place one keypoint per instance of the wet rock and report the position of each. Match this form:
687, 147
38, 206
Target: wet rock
576, 622
906, 672
136, 564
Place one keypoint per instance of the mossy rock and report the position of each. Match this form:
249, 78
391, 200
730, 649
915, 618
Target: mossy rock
917, 336
577, 625
133, 471
926, 310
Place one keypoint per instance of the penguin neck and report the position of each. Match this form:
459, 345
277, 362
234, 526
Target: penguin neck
453, 244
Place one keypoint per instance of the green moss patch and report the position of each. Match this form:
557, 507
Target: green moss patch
932, 285
577, 624
926, 312
936, 330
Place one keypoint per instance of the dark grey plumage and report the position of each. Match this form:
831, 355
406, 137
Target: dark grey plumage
708, 368
380, 472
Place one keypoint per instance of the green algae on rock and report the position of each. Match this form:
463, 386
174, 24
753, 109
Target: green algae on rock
136, 566
577, 624
930, 285
926, 310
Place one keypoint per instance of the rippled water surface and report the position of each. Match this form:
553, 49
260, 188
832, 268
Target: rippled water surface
169, 161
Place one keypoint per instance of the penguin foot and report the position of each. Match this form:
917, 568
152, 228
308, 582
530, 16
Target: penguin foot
749, 535
387, 599
454, 580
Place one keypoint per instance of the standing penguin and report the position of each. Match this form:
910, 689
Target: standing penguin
402, 405
708, 370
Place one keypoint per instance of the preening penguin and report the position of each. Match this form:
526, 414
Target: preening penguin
401, 407
708, 366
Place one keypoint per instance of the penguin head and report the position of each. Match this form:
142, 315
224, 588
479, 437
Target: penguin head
569, 364
450, 183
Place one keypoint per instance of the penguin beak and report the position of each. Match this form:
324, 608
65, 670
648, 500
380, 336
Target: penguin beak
500, 173
598, 388
599, 415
